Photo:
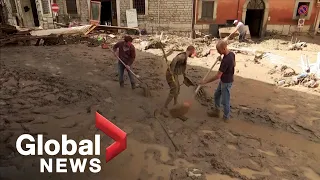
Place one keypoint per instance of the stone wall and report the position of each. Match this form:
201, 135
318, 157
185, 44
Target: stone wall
82, 16
46, 20
286, 29
11, 18
84, 11
124, 5
174, 15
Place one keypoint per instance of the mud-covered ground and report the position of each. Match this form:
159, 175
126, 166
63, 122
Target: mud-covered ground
274, 132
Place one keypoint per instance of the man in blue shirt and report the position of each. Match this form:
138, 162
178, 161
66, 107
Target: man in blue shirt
225, 74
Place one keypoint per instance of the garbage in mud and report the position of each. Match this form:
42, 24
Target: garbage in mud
297, 45
187, 174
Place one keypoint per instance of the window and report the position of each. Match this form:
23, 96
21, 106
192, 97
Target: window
72, 6
207, 9
95, 12
140, 6
13, 6
45, 6
300, 3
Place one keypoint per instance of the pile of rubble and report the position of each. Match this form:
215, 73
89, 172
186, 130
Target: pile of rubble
291, 78
297, 45
11, 35
176, 43
91, 34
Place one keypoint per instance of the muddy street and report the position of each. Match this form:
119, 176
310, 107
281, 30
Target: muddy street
274, 132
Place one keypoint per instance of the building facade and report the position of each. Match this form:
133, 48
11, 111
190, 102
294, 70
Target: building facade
279, 16
262, 16
32, 13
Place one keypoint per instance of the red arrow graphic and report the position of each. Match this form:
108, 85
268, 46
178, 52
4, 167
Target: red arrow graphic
115, 133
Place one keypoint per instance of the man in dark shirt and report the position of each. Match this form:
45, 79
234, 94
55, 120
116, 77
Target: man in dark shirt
225, 74
127, 54
177, 67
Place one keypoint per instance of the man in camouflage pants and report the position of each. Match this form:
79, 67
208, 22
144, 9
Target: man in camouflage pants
177, 67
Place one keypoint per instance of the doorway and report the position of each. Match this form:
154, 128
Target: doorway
254, 17
108, 13
35, 13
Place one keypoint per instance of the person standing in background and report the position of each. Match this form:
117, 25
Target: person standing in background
241, 28
127, 53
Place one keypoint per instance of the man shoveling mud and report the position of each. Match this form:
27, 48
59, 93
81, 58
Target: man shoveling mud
242, 30
177, 67
225, 74
127, 54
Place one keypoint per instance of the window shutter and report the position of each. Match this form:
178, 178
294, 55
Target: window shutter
71, 7
45, 6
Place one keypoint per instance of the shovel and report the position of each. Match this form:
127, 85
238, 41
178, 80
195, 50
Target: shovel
146, 91
181, 109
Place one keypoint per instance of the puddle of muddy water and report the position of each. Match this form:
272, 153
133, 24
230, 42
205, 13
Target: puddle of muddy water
230, 146
136, 159
293, 141
207, 131
251, 173
280, 169
310, 174
254, 163
267, 152
219, 177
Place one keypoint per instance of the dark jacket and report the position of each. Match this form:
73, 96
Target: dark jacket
127, 53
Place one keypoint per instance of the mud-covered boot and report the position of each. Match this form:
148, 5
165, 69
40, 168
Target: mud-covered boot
165, 112
133, 85
122, 84
213, 112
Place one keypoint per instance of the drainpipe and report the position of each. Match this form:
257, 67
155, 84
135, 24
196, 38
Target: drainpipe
158, 15
238, 10
193, 33
317, 21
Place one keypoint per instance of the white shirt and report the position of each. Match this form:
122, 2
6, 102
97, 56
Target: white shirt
241, 27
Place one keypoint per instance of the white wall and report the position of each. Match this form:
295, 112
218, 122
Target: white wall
27, 16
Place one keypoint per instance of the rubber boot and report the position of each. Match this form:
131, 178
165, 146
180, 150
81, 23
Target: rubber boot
122, 84
133, 85
214, 112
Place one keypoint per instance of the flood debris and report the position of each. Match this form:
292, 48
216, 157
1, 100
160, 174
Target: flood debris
75, 33
187, 174
307, 80
297, 45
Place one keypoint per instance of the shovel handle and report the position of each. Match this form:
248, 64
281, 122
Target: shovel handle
199, 86
123, 63
165, 57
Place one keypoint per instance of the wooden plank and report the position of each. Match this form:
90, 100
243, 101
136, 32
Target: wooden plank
90, 29
104, 27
